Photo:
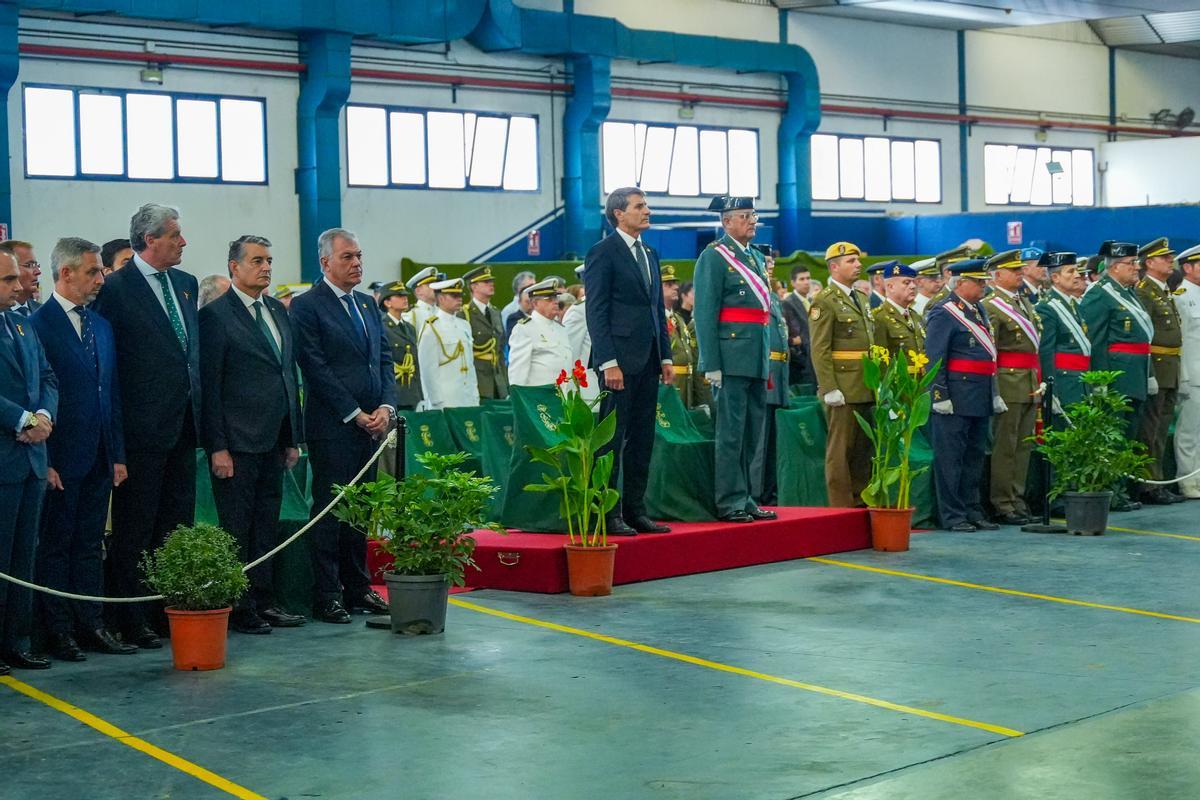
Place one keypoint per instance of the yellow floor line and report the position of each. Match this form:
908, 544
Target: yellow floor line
1156, 533
129, 740
703, 662
1001, 590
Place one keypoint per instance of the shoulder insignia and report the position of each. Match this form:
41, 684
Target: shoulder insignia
815, 313
1142, 284
523, 321
1180, 290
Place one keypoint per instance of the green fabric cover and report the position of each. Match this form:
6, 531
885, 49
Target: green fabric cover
535, 412
498, 440
427, 432
680, 486
466, 428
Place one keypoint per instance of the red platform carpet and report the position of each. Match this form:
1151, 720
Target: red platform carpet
536, 562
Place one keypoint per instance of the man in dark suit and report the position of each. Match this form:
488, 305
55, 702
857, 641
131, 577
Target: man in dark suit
349, 402
30, 273
795, 314
87, 453
631, 350
28, 404
250, 423
151, 306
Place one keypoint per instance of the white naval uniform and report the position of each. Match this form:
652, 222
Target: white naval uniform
417, 315
447, 362
575, 324
919, 303
1187, 426
538, 351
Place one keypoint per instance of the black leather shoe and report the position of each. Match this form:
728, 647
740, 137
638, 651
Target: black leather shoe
65, 648
643, 524
1174, 498
26, 661
618, 527
1155, 498
4, 670
369, 602
332, 612
962, 527
278, 618
985, 525
1012, 518
101, 641
761, 513
736, 516
144, 638
248, 622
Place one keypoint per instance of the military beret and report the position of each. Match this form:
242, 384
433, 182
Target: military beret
1159, 247
479, 274
893, 269
1113, 249
970, 268
1009, 259
723, 203
839, 249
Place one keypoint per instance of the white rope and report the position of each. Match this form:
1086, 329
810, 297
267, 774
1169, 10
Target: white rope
388, 441
1146, 481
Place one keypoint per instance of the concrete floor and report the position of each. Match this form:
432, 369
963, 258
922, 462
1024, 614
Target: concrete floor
498, 708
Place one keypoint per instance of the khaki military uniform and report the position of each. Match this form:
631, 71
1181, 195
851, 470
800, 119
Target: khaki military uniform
841, 333
487, 334
692, 386
1165, 350
899, 331
1018, 376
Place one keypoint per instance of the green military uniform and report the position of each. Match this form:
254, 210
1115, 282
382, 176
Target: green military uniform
765, 486
900, 331
702, 390
840, 333
487, 333
1016, 331
1065, 350
1120, 331
1165, 349
693, 389
731, 317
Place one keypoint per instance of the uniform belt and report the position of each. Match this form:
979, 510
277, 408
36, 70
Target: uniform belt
972, 366
752, 315
1133, 348
1165, 351
682, 370
848, 355
775, 356
1075, 362
1011, 359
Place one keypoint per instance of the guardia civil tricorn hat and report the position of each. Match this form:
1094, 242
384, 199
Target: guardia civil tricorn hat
723, 203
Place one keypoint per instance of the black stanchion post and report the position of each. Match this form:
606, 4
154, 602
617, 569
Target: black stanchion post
401, 448
1047, 470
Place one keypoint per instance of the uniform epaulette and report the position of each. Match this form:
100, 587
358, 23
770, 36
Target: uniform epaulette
1141, 284
523, 321
1180, 290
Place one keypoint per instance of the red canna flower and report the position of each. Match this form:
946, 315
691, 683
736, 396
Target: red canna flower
579, 372
583, 382
562, 378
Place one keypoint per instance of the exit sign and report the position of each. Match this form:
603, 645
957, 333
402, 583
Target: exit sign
1015, 232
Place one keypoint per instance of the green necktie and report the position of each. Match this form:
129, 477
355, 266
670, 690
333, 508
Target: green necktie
642, 261
172, 310
266, 330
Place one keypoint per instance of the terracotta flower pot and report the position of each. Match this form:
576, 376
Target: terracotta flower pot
198, 638
890, 528
590, 569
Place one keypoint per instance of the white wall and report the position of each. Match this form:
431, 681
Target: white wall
1151, 172
702, 17
1147, 82
1036, 74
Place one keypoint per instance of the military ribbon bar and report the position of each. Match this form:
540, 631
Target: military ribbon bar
756, 283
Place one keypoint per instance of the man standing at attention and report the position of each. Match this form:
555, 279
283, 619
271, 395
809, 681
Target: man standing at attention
151, 306
795, 315
349, 402
251, 421
31, 273
897, 327
393, 301
1187, 427
842, 333
420, 286
487, 332
631, 351
444, 350
1065, 350
732, 315
540, 348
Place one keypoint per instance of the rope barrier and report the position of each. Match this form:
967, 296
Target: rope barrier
1147, 481
388, 441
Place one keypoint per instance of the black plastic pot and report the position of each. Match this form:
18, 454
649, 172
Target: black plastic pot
1086, 512
417, 603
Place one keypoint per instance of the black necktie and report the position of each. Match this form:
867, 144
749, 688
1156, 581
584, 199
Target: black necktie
22, 310
86, 334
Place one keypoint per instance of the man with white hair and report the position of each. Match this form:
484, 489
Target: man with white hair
212, 287
349, 403
152, 307
540, 348
521, 281
445, 351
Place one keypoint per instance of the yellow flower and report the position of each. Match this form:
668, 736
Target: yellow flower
917, 361
879, 353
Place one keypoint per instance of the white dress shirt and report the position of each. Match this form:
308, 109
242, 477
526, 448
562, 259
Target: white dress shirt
69, 309
149, 272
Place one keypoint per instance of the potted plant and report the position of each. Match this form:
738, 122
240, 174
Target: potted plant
1091, 455
424, 523
581, 480
902, 406
198, 573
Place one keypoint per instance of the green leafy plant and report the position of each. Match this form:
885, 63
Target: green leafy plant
581, 477
1092, 452
196, 569
902, 405
423, 522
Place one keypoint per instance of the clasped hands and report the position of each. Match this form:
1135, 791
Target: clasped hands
39, 434
375, 423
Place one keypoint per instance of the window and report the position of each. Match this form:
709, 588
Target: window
683, 160
417, 149
111, 134
1038, 176
876, 169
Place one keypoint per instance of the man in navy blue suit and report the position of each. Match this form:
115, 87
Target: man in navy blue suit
151, 306
631, 350
28, 404
349, 402
86, 453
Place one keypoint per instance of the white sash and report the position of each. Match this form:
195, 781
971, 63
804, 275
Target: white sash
1135, 310
1069, 322
752, 278
1016, 316
981, 333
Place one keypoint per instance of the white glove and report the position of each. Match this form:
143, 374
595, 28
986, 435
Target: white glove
835, 398
943, 407
1055, 406
998, 405
714, 378
1152, 386
1041, 390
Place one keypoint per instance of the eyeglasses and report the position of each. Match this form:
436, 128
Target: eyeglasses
31, 265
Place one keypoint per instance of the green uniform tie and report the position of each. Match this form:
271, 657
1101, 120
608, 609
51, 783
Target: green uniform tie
172, 310
266, 330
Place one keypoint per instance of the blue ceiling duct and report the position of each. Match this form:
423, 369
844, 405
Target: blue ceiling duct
506, 26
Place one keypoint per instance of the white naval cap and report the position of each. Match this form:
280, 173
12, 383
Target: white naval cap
449, 286
423, 277
1189, 255
579, 270
546, 288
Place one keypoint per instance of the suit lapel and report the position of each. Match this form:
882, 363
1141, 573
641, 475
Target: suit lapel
11, 351
140, 284
279, 315
337, 308
66, 329
245, 318
630, 262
